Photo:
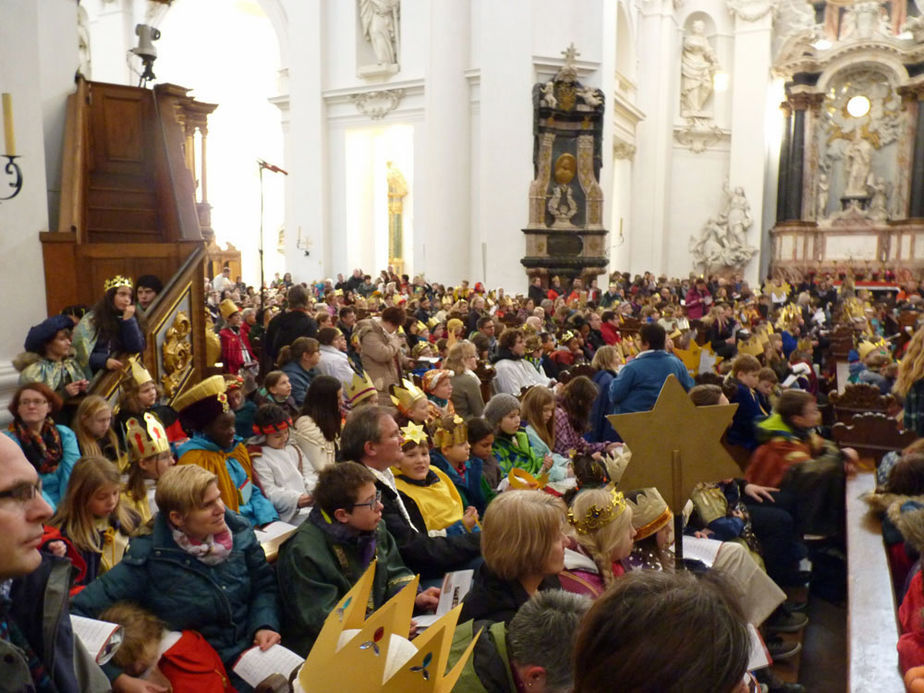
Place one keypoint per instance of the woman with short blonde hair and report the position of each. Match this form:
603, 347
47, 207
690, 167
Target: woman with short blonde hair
183, 489
523, 546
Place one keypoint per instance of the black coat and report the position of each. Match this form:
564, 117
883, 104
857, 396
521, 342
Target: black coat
429, 556
285, 328
494, 599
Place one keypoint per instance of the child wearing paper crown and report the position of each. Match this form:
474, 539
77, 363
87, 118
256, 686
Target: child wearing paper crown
213, 445
437, 383
331, 550
412, 404
427, 491
138, 393
149, 457
283, 472
452, 454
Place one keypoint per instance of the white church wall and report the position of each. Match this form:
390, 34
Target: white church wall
38, 54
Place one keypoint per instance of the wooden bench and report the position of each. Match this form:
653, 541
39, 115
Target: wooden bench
872, 626
859, 398
872, 434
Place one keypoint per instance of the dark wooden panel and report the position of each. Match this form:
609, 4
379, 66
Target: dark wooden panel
120, 142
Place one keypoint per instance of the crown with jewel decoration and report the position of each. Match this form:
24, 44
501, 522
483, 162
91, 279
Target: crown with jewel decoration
145, 437
117, 281
449, 431
355, 653
404, 397
599, 516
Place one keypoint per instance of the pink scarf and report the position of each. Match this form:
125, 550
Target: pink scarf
214, 550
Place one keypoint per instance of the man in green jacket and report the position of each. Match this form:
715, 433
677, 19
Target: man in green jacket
331, 550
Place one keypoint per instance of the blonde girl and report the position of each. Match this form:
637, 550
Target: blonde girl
537, 409
909, 385
149, 458
93, 426
601, 523
92, 517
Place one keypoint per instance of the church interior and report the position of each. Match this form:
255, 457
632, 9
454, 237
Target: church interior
621, 159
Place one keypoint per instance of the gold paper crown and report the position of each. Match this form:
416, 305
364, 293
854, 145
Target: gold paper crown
210, 387
566, 337
420, 326
447, 437
433, 322
135, 374
116, 282
788, 313
360, 388
361, 662
147, 440
597, 516
521, 480
754, 346
649, 513
404, 397
865, 347
414, 432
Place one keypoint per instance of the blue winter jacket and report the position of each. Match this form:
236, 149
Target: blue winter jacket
638, 384
227, 603
54, 484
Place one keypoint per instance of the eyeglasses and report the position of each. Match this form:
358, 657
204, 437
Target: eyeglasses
32, 402
23, 492
371, 504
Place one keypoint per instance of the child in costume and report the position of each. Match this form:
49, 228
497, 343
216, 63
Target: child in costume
95, 437
149, 456
283, 472
92, 518
109, 329
138, 393
243, 407
431, 499
412, 404
236, 355
437, 383
745, 377
452, 454
360, 392
767, 381
511, 445
181, 659
332, 549
48, 358
213, 445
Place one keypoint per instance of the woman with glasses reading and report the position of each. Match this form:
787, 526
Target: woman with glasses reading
332, 549
52, 449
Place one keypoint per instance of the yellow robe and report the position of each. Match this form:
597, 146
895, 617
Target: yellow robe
215, 463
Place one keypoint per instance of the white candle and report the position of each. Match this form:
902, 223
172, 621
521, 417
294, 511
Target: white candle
8, 124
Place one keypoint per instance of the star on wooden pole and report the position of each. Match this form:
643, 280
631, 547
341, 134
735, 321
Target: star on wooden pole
676, 445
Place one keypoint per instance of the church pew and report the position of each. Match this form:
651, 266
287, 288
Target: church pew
872, 627
872, 434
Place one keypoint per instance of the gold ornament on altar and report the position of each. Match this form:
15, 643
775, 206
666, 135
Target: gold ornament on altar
676, 445
212, 341
355, 653
177, 353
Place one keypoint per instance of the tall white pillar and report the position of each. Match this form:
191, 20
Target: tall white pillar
505, 139
658, 71
750, 75
442, 193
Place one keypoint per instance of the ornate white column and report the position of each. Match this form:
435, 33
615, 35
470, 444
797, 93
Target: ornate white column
749, 80
658, 50
444, 218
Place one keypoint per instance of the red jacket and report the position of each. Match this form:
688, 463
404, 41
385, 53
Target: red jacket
610, 334
232, 355
50, 534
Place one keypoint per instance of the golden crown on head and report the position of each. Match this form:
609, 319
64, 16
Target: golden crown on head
117, 281
788, 314
355, 653
455, 434
404, 397
135, 374
147, 439
649, 512
597, 516
566, 337
414, 432
360, 388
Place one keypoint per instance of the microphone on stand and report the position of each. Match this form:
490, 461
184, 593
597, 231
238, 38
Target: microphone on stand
270, 167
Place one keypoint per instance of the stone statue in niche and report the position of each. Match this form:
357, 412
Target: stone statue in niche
561, 201
857, 159
697, 68
879, 190
379, 20
821, 196
722, 242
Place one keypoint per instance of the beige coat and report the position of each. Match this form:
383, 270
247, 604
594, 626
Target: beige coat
381, 356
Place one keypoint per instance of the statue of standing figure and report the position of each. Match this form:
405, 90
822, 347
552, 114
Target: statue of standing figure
379, 20
697, 68
857, 160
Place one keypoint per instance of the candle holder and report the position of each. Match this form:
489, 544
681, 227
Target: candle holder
12, 169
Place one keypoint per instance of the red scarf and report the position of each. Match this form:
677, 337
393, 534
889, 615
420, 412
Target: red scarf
44, 449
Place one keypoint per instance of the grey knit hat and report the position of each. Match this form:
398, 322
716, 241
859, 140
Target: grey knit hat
498, 407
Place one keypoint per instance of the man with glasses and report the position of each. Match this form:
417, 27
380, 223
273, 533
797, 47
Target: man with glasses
332, 549
38, 651
372, 437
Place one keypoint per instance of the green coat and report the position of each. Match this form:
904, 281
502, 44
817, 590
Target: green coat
488, 668
515, 451
312, 580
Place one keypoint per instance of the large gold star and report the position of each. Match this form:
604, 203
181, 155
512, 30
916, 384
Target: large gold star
676, 445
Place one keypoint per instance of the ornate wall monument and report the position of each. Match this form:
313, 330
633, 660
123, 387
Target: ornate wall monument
851, 182
565, 235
